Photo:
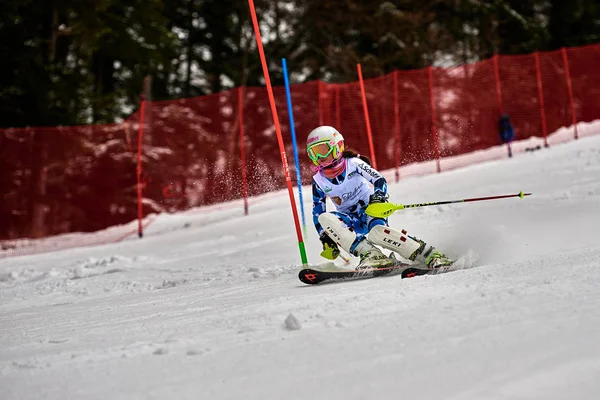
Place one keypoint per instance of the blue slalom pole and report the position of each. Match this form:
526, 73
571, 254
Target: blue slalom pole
293, 129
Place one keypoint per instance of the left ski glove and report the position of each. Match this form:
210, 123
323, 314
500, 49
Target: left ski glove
331, 251
378, 197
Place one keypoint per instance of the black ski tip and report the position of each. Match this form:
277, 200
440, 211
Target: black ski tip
412, 272
309, 276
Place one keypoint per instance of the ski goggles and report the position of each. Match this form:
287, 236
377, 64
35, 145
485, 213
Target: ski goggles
321, 150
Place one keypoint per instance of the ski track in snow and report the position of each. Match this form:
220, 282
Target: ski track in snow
202, 309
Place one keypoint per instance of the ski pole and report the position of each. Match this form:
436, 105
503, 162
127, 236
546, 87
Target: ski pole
383, 210
343, 257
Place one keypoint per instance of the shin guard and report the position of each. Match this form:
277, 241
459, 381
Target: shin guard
395, 240
337, 231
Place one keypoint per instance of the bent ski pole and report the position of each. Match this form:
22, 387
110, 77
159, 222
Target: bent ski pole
383, 210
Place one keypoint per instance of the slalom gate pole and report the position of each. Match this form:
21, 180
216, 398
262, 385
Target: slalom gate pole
382, 210
284, 162
288, 95
366, 111
295, 145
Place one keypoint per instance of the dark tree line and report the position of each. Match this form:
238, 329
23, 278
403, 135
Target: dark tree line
68, 62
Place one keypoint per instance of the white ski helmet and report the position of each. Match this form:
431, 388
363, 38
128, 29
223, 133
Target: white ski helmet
324, 146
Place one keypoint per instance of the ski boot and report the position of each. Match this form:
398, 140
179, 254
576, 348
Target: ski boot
430, 256
371, 256
437, 260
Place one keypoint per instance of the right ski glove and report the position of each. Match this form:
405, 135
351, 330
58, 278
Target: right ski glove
378, 197
331, 251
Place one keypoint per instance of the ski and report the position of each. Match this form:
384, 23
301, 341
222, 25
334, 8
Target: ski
418, 271
313, 276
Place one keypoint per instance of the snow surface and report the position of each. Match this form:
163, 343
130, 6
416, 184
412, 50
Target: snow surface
208, 304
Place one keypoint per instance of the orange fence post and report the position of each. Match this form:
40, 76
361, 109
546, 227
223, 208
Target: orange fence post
536, 56
367, 121
337, 108
433, 118
396, 126
243, 148
570, 87
138, 169
499, 94
319, 91
497, 80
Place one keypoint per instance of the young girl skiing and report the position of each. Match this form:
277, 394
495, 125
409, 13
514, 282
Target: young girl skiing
349, 181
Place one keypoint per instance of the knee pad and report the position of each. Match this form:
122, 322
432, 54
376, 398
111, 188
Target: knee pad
338, 231
395, 240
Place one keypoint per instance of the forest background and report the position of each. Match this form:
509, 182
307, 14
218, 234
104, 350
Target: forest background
69, 62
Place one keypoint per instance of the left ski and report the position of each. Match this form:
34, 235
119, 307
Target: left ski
312, 276
418, 271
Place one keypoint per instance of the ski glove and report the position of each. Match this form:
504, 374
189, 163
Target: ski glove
331, 251
378, 197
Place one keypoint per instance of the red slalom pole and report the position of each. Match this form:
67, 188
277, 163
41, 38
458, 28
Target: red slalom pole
138, 169
284, 162
367, 121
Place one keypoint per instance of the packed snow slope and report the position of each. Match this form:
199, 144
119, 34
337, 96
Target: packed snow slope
208, 304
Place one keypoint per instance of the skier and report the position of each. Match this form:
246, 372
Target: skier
348, 179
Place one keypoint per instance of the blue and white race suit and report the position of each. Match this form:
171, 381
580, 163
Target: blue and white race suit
350, 192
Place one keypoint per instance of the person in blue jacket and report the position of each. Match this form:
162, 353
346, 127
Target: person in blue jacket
506, 131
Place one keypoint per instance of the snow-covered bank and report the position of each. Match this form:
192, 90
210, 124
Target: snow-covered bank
198, 308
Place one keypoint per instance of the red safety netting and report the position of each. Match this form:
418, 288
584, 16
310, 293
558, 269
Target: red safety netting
63, 180
585, 77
